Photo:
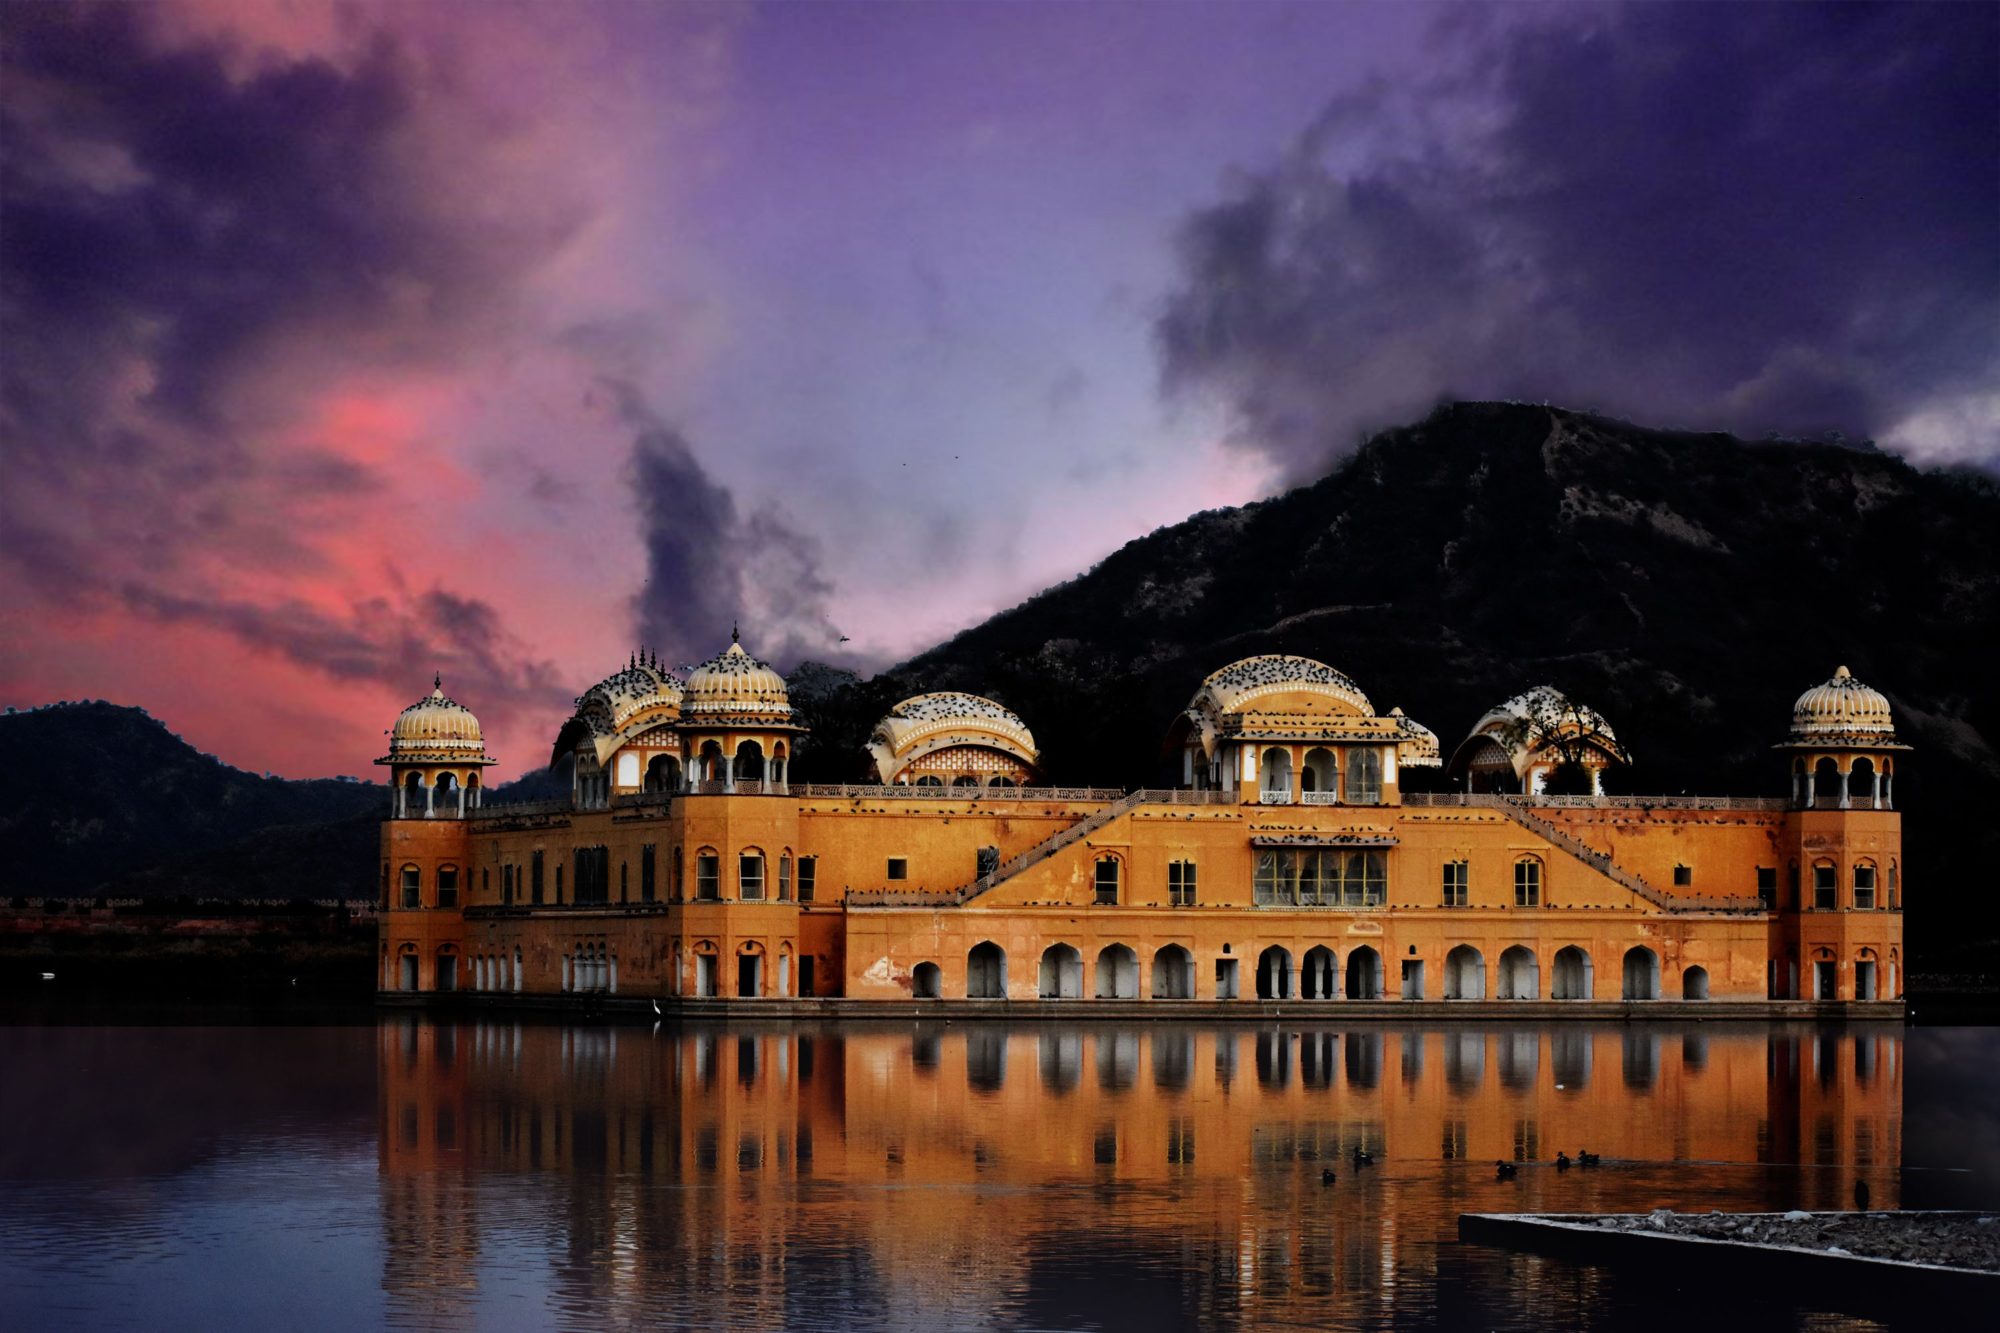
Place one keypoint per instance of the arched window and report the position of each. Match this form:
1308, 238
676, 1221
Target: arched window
446, 798
785, 877
1106, 882
1061, 973
1864, 886
750, 875
1642, 974
965, 780
1861, 784
412, 887
1527, 882
986, 972
1117, 973
447, 886
749, 762
1895, 888
930, 780
1274, 780
1826, 890
707, 875
1364, 776
1319, 774
1464, 974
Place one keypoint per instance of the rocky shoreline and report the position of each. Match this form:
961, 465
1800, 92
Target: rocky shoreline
1969, 1241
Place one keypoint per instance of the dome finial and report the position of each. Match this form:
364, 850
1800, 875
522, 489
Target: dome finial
437, 682
735, 632
1842, 673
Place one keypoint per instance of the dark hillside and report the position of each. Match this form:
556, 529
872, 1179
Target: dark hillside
92, 791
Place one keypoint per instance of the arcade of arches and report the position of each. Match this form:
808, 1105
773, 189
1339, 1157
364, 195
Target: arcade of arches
1305, 855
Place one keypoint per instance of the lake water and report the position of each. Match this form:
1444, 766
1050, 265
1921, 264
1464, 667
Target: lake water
493, 1174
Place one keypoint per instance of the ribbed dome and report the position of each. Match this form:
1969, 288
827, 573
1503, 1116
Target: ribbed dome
1843, 710
733, 683
435, 728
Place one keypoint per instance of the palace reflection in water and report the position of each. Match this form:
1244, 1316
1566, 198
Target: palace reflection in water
974, 1173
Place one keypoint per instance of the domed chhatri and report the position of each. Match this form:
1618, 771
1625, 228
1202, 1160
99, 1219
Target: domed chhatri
630, 714
1843, 746
435, 753
1843, 711
435, 727
735, 684
1294, 731
953, 739
1523, 742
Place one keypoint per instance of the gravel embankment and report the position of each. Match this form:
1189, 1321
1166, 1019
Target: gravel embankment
1957, 1240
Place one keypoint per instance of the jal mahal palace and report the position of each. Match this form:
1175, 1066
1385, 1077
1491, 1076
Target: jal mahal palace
1287, 868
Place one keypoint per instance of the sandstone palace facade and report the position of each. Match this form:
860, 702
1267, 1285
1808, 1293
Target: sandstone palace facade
1288, 867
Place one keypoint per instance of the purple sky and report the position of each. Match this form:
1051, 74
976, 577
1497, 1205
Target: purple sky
351, 342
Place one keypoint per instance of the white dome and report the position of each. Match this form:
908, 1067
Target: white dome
733, 684
1843, 710
435, 729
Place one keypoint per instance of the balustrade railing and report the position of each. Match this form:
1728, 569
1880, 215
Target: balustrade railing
1495, 800
903, 792
520, 808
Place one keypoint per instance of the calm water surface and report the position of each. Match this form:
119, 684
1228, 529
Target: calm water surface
484, 1174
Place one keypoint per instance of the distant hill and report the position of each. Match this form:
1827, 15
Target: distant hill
92, 792
1689, 586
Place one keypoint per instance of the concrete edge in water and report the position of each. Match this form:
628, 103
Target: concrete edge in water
1846, 1282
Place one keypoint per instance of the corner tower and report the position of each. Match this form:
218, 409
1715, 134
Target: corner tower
435, 756
1843, 746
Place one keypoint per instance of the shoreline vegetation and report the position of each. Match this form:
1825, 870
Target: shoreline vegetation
187, 949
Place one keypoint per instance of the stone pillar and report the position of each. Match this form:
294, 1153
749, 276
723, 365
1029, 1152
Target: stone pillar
1811, 796
1889, 790
1843, 789
430, 798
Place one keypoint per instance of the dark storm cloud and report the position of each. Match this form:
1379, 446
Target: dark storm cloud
708, 566
397, 640
1762, 218
160, 208
195, 246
